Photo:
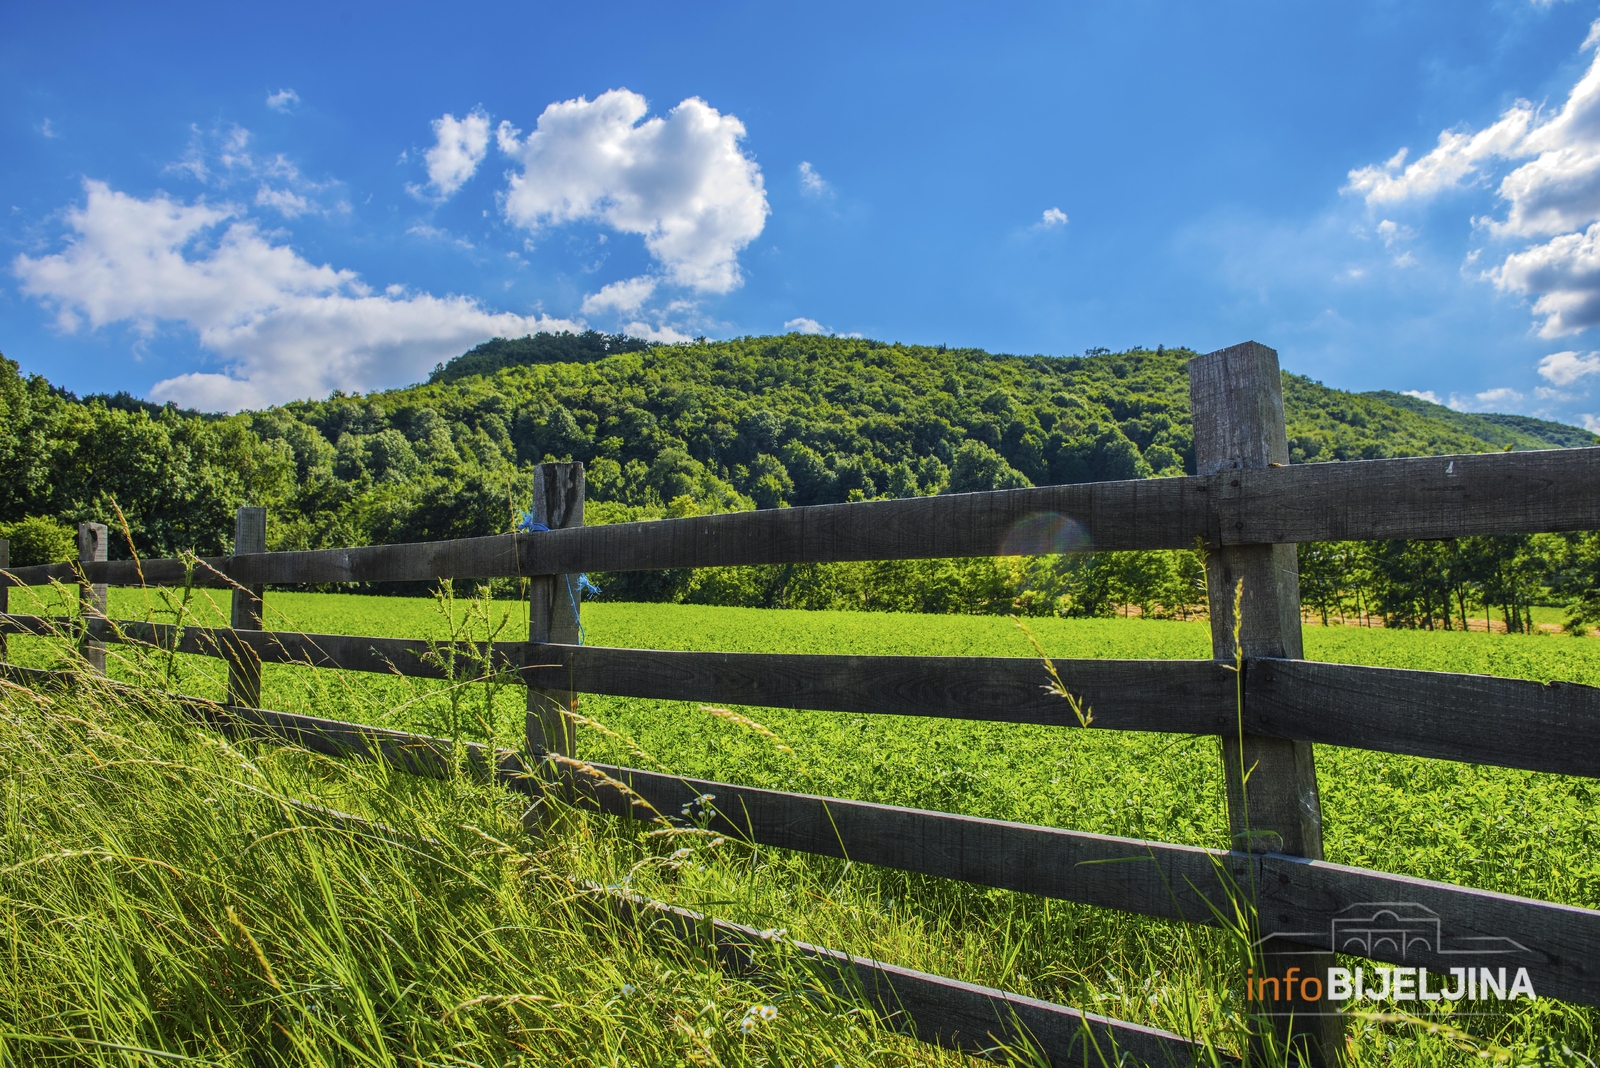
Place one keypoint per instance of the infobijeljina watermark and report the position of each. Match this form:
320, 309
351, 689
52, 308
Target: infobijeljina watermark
1393, 930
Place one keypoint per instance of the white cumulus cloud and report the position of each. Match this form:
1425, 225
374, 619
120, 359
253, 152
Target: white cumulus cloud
459, 146
283, 326
681, 181
802, 325
1052, 218
1565, 368
1563, 277
624, 296
1423, 394
1554, 194
283, 99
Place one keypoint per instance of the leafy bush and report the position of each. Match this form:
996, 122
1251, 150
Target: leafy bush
40, 540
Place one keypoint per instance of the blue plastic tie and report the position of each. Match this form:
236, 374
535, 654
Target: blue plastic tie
530, 525
583, 585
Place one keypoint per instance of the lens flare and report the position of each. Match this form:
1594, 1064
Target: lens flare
1045, 532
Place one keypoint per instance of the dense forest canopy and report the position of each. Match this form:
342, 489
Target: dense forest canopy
755, 422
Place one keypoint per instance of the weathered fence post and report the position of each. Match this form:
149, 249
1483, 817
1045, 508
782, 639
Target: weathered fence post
1236, 395
554, 606
92, 595
244, 666
5, 592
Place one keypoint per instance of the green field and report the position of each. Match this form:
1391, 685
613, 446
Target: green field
1515, 832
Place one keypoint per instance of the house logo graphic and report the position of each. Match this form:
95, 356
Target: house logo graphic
1395, 930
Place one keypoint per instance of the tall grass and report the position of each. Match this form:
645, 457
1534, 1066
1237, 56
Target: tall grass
171, 896
376, 937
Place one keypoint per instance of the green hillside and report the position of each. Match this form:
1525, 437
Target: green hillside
664, 429
1518, 431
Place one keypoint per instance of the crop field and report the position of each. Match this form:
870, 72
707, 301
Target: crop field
1511, 831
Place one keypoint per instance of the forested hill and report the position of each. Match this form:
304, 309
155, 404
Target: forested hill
664, 429
1518, 431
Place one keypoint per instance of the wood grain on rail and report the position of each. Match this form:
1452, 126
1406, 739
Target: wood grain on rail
1558, 944
1425, 497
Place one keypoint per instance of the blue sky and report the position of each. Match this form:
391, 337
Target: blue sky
230, 208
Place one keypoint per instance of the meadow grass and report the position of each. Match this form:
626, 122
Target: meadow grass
1516, 832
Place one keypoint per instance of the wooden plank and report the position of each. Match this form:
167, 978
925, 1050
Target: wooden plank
388, 656
1429, 497
1237, 401
488, 557
1559, 944
1253, 593
1514, 722
92, 545
1424, 497
1175, 696
1480, 719
555, 606
244, 671
1180, 696
41, 626
978, 1020
5, 593
123, 573
1139, 514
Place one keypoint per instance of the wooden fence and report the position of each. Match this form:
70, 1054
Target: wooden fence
1246, 505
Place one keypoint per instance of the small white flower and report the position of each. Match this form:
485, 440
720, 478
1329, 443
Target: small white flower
680, 854
769, 1012
719, 840
627, 990
747, 1024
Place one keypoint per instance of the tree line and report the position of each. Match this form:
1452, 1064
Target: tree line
760, 422
1432, 585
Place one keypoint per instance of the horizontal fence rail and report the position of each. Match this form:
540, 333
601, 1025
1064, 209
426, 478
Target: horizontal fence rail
963, 1016
1558, 944
974, 1019
1248, 507
1479, 719
1426, 497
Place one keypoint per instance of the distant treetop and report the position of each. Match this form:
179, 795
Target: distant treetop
566, 347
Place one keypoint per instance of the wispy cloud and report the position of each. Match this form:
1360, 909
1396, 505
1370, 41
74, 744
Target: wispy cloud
804, 325
222, 159
812, 183
1496, 399
434, 233
283, 100
1565, 368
